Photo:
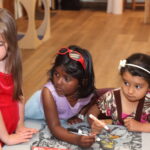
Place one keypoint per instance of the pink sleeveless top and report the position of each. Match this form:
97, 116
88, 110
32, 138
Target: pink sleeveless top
65, 110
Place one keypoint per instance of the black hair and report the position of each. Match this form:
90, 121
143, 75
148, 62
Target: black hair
74, 68
141, 60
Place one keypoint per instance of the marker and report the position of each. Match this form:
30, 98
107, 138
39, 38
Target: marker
80, 133
100, 122
77, 131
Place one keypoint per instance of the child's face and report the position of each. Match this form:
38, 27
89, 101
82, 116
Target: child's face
134, 87
64, 83
3, 48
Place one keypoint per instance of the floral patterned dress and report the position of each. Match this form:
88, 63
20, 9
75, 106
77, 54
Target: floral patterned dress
110, 105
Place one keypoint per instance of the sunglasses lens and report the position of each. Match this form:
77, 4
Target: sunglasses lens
74, 55
63, 50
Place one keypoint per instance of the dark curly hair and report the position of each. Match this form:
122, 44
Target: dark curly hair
74, 68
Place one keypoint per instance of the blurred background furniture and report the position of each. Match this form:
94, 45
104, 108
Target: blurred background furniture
115, 6
147, 12
35, 37
135, 4
1, 4
9, 4
52, 4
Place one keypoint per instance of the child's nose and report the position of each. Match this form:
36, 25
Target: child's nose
130, 90
60, 81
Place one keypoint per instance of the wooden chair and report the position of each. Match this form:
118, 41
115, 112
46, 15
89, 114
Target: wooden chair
124, 4
35, 37
137, 4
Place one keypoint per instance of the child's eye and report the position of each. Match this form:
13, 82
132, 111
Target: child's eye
138, 86
67, 79
2, 43
126, 83
56, 74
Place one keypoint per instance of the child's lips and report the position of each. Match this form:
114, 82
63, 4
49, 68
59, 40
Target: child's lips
59, 90
131, 97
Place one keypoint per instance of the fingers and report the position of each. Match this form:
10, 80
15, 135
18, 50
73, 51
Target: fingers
74, 121
130, 124
88, 140
25, 135
30, 130
96, 128
95, 131
19, 138
127, 121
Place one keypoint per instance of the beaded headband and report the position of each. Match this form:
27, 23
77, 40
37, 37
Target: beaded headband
123, 64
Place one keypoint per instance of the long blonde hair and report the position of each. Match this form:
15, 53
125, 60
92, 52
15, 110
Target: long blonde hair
8, 32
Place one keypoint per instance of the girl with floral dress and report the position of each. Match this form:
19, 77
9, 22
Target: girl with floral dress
128, 105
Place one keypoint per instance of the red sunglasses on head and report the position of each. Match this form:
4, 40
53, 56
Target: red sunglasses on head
74, 55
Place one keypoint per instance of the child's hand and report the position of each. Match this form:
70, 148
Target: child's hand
86, 141
131, 124
23, 129
18, 138
74, 120
96, 127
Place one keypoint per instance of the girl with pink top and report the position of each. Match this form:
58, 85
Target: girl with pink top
68, 92
130, 104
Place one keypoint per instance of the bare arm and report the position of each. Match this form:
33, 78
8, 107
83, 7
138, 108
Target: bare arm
54, 125
76, 119
12, 138
21, 127
94, 111
95, 126
3, 133
19, 137
21, 112
133, 125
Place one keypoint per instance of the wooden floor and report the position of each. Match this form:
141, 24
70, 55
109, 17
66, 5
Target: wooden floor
108, 37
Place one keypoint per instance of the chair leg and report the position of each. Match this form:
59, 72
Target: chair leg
125, 4
133, 4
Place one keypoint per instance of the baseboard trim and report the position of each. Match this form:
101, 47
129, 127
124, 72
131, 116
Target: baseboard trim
93, 5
